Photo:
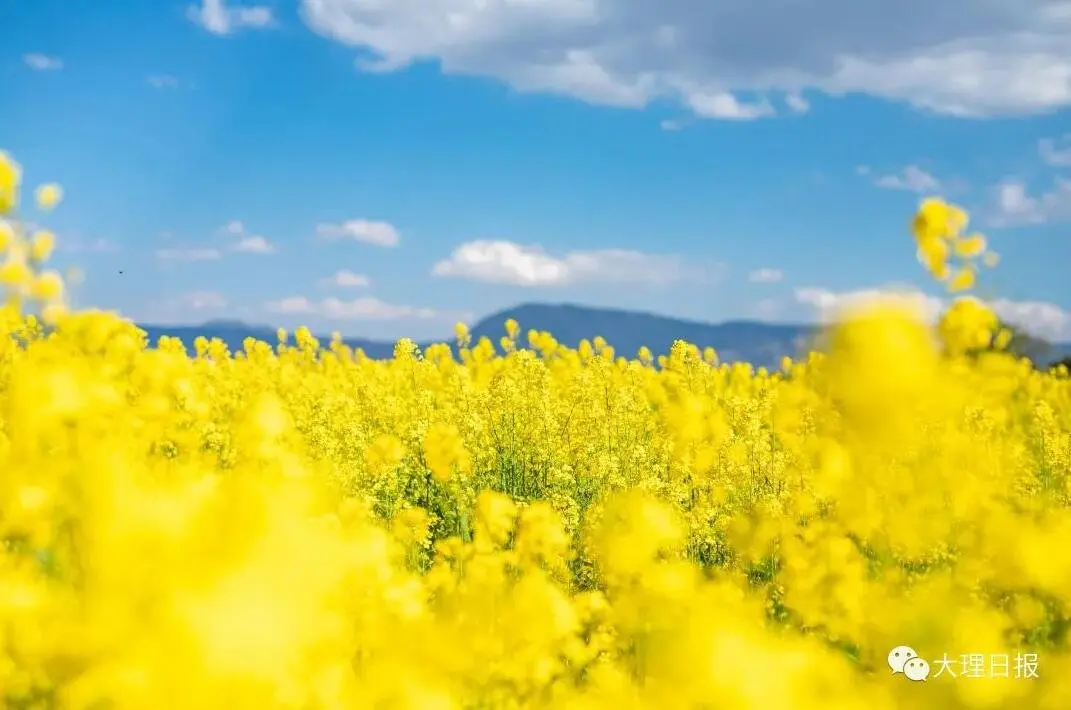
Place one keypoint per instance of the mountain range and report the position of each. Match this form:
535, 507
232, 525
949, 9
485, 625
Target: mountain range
756, 342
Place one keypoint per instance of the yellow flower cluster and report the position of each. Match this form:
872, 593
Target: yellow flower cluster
297, 526
20, 255
948, 254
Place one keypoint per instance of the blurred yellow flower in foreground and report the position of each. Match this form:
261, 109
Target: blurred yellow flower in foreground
48, 196
10, 179
41, 246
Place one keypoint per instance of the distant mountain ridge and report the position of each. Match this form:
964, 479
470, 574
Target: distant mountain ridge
756, 342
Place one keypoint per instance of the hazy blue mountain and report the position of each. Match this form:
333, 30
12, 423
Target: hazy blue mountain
750, 341
234, 333
1060, 351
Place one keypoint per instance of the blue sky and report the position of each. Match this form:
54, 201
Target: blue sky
386, 167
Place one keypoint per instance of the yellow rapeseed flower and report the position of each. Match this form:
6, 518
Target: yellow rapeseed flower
967, 324
7, 235
962, 280
48, 196
547, 528
445, 452
512, 329
933, 251
52, 312
47, 286
10, 178
935, 220
971, 246
461, 332
384, 454
15, 272
41, 246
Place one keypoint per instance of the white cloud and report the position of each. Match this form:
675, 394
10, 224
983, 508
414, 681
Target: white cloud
345, 278
364, 308
77, 245
254, 245
1014, 206
247, 243
830, 304
292, 305
1056, 152
381, 234
1038, 318
912, 179
189, 254
202, 300
765, 276
796, 103
962, 58
163, 81
217, 18
184, 308
724, 105
1041, 319
42, 62
504, 262
767, 308
672, 124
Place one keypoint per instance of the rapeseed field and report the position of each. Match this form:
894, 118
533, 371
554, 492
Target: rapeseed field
882, 525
